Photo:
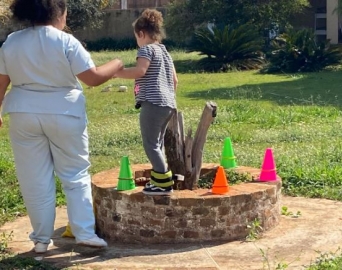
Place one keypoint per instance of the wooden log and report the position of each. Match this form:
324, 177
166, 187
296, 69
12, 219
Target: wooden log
185, 154
188, 159
208, 115
174, 144
188, 151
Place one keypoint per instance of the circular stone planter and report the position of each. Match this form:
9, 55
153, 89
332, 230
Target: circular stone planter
185, 216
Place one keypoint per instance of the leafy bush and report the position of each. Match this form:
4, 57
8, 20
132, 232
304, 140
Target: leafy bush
234, 178
229, 48
88, 14
297, 51
183, 17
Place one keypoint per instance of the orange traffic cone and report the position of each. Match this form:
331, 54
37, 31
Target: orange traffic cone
268, 168
220, 185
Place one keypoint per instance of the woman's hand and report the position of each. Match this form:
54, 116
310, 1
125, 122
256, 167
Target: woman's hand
98, 75
4, 83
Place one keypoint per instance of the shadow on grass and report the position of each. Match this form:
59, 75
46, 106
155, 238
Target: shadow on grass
319, 89
187, 66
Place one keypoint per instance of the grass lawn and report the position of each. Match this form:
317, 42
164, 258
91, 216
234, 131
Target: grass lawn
299, 116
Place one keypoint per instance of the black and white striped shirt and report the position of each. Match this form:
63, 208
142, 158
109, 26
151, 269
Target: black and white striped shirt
156, 86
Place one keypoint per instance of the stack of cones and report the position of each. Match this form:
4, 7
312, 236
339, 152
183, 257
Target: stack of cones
126, 181
220, 185
268, 168
228, 158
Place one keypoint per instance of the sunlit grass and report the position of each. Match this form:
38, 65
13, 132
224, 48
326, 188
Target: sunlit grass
299, 116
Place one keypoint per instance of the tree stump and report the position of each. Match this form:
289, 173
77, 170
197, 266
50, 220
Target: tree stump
184, 154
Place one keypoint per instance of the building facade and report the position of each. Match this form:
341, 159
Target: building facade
327, 24
323, 19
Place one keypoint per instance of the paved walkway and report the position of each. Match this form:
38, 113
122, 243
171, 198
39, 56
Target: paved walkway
294, 240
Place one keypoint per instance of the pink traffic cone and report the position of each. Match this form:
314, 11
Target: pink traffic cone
268, 168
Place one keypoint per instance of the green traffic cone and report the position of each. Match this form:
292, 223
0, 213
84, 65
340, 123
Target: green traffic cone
126, 181
228, 158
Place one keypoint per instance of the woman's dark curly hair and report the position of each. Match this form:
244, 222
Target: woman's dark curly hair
151, 23
38, 11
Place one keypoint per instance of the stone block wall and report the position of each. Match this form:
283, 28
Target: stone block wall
117, 25
186, 216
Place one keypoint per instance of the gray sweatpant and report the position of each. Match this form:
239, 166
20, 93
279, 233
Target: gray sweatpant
153, 123
44, 144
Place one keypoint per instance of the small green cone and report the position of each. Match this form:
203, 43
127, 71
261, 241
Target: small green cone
126, 181
228, 158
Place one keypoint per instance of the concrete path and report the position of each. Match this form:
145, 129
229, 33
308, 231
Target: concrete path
295, 241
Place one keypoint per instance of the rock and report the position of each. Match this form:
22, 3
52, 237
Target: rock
123, 88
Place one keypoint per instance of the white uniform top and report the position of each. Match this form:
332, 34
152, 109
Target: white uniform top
42, 62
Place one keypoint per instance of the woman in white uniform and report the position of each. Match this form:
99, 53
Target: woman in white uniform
47, 117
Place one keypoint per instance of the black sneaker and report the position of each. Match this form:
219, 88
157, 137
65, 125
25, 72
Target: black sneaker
154, 190
148, 184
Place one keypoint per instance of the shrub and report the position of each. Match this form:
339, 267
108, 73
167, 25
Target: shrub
229, 48
297, 51
183, 17
89, 14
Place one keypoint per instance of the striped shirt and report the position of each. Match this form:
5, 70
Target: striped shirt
156, 86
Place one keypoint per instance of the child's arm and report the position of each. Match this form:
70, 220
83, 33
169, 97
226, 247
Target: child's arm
134, 72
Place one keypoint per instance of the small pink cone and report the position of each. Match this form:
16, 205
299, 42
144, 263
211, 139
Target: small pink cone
268, 168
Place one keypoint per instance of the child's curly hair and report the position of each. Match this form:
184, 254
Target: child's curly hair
151, 23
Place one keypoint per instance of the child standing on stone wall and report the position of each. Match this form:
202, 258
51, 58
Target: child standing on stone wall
155, 86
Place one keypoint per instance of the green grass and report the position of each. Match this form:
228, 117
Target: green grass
299, 116
18, 263
327, 261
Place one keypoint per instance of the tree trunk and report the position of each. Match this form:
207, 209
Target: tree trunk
184, 154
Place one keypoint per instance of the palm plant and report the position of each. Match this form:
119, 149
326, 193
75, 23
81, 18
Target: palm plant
297, 51
229, 48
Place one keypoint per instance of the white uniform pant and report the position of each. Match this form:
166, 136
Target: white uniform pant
43, 144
